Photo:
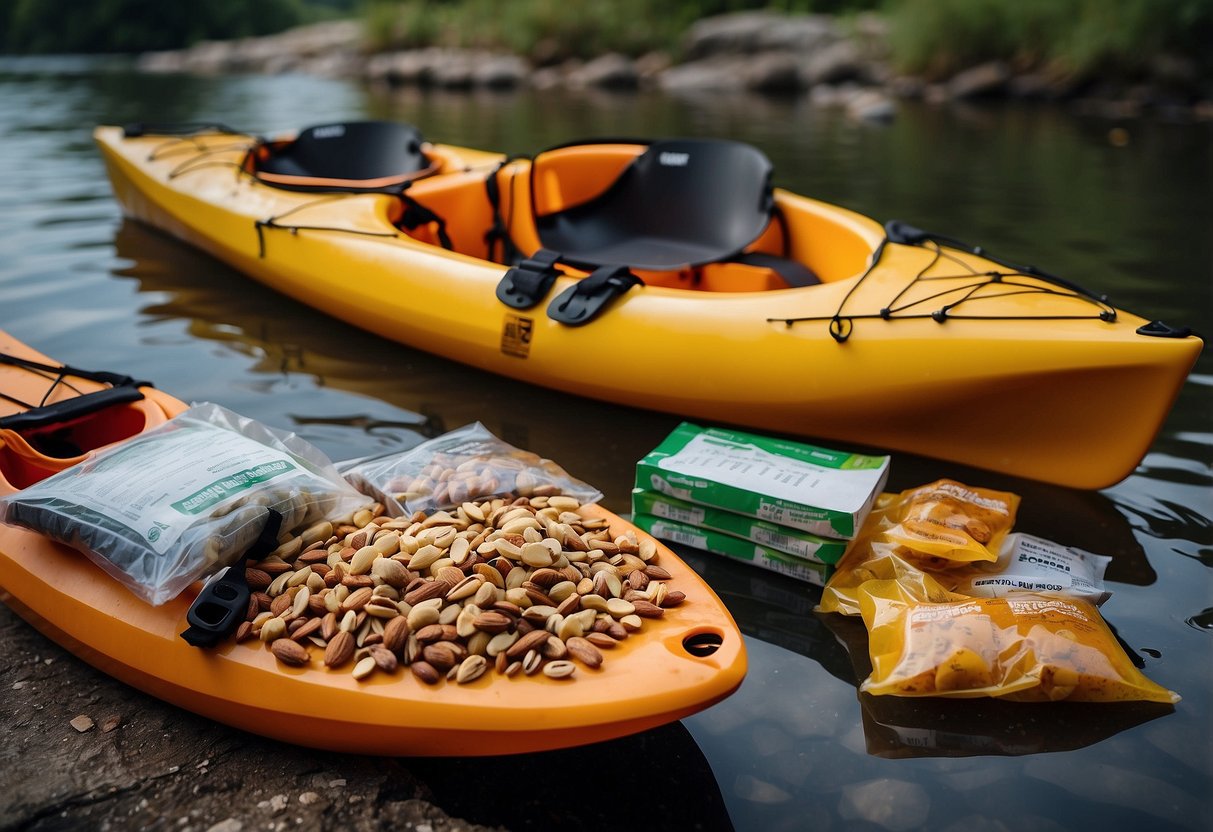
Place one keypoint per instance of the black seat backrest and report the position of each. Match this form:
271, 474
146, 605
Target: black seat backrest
681, 203
358, 156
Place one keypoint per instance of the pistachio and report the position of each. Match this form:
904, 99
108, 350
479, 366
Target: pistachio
559, 669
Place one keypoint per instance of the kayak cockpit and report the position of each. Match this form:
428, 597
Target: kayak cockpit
681, 214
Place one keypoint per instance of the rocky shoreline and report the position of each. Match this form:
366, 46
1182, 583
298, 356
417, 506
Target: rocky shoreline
812, 55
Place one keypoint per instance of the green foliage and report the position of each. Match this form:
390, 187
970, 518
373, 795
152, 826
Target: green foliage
139, 25
557, 29
1076, 37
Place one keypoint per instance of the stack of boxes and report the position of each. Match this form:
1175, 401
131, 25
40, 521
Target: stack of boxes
785, 506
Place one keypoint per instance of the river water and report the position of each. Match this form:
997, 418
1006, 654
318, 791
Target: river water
1120, 207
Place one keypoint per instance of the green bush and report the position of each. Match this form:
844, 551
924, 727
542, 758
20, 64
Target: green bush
1074, 37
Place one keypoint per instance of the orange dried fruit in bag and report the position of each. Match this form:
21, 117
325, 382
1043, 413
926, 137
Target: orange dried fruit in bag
950, 521
1023, 647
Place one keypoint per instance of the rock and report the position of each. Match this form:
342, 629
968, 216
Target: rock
758, 31
500, 71
772, 72
82, 723
871, 105
652, 64
834, 63
451, 69
229, 825
716, 75
986, 79
610, 71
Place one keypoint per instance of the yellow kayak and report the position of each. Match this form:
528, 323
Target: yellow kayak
53, 417
670, 276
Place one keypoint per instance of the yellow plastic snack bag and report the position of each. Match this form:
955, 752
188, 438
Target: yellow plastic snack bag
1024, 647
946, 521
870, 559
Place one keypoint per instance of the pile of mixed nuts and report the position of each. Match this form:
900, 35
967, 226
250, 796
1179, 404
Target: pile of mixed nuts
524, 585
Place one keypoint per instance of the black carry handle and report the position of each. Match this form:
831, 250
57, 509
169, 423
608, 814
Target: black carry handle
223, 602
69, 409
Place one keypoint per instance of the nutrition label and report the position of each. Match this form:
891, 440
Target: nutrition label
197, 468
753, 469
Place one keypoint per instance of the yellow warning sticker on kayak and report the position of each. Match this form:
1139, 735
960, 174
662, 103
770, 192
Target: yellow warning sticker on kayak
516, 335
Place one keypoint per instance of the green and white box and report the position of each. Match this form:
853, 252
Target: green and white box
780, 538
734, 548
793, 484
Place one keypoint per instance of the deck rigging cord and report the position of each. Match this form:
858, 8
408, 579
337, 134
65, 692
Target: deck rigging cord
841, 326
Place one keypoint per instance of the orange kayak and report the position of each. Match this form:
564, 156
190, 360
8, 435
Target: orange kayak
678, 664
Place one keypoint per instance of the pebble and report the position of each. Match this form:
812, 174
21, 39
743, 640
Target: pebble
82, 723
229, 825
308, 798
110, 723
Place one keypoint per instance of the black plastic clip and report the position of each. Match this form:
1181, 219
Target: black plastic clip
223, 602
584, 300
904, 234
526, 284
1161, 330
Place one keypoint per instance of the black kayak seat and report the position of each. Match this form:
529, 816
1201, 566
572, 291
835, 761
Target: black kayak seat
681, 203
346, 156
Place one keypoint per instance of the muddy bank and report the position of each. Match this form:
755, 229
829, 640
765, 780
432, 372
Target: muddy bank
84, 751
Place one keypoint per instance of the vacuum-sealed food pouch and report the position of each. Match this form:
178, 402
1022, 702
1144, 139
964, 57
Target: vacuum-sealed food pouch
872, 559
1025, 564
184, 499
947, 521
1024, 647
467, 464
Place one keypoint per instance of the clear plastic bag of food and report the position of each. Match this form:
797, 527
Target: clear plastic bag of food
947, 522
1025, 564
467, 464
184, 499
869, 558
1023, 647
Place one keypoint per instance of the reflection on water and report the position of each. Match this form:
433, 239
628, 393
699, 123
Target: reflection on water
796, 747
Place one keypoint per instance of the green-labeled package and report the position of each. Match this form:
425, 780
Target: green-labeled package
771, 535
734, 548
792, 484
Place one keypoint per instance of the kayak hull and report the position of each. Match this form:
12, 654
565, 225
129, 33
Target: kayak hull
1032, 383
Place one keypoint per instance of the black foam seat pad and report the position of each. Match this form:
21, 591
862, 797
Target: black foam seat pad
354, 155
681, 203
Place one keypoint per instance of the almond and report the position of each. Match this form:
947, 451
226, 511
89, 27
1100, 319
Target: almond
289, 652
385, 659
357, 599
426, 672
530, 641
493, 622
340, 649
584, 651
395, 634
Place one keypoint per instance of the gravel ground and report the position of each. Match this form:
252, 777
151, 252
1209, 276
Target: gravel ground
81, 750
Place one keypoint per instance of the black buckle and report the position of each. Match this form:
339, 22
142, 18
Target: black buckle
584, 300
223, 602
526, 284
